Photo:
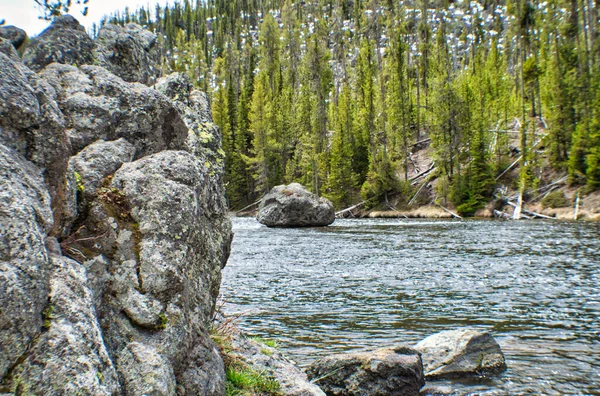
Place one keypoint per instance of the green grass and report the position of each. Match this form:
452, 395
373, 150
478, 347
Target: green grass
267, 342
242, 380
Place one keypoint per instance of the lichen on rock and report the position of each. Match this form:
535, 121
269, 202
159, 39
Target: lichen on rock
101, 170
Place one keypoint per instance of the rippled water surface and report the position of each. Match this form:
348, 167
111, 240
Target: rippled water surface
364, 284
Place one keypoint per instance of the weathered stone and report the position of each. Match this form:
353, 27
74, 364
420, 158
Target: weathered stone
97, 161
463, 352
7, 49
385, 372
19, 107
69, 356
167, 236
65, 41
131, 52
294, 206
25, 220
32, 124
204, 138
145, 371
14, 35
152, 235
99, 105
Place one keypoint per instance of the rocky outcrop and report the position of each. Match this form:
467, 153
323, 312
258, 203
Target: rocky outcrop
65, 41
459, 353
25, 220
97, 161
14, 35
7, 49
294, 206
129, 52
114, 229
385, 372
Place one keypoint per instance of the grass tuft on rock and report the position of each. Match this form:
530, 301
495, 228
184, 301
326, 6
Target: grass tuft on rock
243, 380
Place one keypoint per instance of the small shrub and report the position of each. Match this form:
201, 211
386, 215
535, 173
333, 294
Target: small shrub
555, 199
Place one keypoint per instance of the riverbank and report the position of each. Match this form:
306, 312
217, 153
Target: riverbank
588, 210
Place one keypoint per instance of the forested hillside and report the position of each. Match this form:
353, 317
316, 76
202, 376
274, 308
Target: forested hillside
336, 94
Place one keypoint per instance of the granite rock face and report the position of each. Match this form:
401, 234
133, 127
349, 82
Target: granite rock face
14, 35
114, 227
385, 372
97, 161
65, 41
129, 52
459, 353
25, 220
294, 206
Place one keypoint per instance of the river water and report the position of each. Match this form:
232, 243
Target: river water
365, 284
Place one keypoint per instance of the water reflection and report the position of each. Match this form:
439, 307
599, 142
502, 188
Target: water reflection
370, 283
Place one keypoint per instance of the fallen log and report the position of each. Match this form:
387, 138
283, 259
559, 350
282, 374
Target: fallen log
351, 208
414, 179
449, 211
523, 212
248, 207
500, 214
420, 142
417, 193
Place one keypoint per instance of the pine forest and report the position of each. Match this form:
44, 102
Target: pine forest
340, 95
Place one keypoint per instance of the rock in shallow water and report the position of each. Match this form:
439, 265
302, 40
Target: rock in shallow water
463, 352
385, 372
294, 206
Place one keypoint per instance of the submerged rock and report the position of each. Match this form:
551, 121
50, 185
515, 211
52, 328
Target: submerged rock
463, 352
294, 206
385, 372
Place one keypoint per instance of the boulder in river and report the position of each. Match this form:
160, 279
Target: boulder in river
385, 372
462, 352
294, 206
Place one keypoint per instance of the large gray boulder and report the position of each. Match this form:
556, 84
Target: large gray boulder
14, 35
294, 206
459, 353
99, 105
385, 372
69, 355
131, 52
7, 49
64, 41
97, 161
167, 235
25, 220
115, 295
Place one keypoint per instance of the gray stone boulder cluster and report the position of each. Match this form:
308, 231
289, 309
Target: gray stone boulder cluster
113, 219
452, 354
385, 372
294, 206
